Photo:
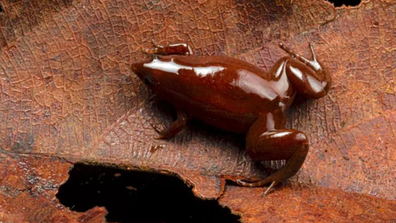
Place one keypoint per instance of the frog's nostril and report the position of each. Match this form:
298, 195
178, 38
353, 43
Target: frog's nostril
134, 68
147, 80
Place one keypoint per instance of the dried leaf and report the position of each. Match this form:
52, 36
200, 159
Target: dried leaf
28, 187
67, 92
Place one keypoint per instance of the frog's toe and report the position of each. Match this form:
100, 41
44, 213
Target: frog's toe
258, 183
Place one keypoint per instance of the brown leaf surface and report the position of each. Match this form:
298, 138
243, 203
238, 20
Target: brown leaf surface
28, 187
67, 92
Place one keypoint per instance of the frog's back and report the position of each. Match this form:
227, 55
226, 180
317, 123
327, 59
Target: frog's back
222, 91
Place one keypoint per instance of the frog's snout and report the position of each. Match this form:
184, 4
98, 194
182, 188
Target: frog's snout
143, 74
135, 68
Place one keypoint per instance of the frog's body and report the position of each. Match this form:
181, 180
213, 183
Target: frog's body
234, 95
217, 90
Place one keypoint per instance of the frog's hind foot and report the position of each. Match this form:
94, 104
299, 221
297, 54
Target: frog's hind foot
258, 184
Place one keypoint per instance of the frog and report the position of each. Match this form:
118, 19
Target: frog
237, 96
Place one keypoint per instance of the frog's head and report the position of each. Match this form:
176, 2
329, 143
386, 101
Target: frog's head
159, 73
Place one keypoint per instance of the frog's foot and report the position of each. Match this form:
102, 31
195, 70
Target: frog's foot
258, 184
313, 64
174, 128
157, 49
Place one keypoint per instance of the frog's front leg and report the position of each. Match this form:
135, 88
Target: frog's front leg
263, 144
176, 48
175, 127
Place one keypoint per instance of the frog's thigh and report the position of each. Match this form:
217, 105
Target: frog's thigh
274, 144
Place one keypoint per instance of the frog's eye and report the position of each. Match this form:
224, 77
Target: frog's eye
147, 80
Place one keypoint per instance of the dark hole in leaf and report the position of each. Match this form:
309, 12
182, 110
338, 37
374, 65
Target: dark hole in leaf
1, 8
338, 3
133, 196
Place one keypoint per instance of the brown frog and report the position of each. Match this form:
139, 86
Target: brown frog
237, 96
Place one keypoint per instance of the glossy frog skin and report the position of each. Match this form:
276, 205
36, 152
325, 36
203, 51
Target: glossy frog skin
236, 96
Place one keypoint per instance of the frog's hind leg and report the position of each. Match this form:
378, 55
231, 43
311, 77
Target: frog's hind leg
276, 144
307, 77
174, 128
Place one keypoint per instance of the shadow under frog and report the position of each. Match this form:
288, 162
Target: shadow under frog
236, 96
